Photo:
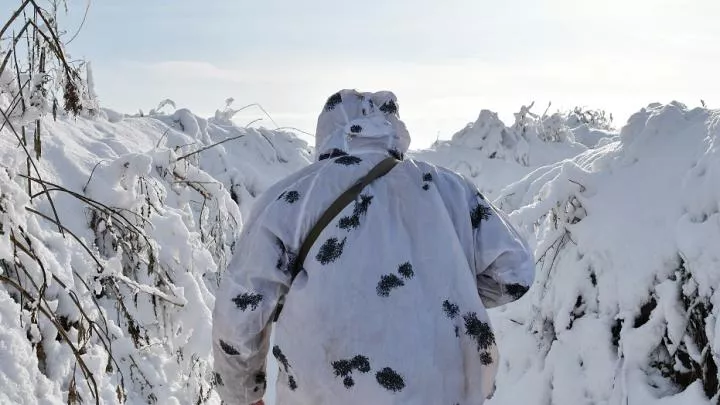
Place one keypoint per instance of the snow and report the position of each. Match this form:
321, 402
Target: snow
20, 379
625, 227
615, 222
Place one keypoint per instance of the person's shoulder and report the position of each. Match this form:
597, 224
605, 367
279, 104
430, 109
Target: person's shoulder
441, 174
282, 187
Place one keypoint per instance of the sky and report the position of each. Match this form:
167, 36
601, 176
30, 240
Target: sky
445, 60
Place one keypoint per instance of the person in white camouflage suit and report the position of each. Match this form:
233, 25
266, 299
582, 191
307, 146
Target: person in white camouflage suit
390, 305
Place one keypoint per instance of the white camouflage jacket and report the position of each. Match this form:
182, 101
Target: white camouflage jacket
390, 307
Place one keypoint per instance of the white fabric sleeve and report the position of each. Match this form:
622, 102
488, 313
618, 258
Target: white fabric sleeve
504, 264
258, 275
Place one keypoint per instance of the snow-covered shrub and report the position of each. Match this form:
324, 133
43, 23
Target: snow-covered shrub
592, 128
35, 70
164, 253
625, 304
593, 118
489, 134
546, 128
493, 155
555, 129
147, 230
532, 139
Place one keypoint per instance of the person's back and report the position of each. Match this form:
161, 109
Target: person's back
390, 305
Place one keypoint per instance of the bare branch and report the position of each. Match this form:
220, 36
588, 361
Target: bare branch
82, 23
16, 39
12, 18
208, 147
84, 189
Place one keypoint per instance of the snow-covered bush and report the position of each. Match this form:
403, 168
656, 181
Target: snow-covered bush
494, 155
592, 128
489, 134
546, 128
593, 118
532, 139
36, 74
147, 231
625, 304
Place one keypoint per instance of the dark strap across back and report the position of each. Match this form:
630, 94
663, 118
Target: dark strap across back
333, 210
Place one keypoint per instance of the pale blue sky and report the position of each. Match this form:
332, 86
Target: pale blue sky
446, 60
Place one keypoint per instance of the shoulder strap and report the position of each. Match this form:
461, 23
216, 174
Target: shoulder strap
333, 210
336, 207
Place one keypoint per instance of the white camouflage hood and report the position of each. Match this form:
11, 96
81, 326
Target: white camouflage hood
353, 122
